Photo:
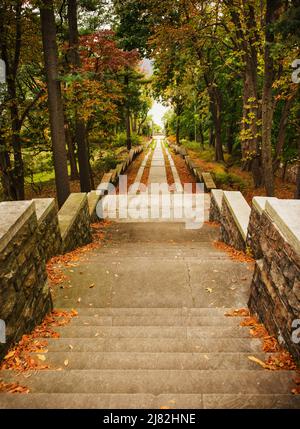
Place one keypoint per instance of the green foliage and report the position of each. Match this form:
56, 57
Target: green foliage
222, 178
121, 138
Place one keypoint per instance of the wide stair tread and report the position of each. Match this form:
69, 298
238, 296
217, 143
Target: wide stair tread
157, 381
148, 401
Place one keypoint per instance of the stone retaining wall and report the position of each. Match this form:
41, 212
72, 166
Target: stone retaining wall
216, 198
234, 219
74, 222
93, 199
49, 238
275, 289
24, 294
31, 232
256, 225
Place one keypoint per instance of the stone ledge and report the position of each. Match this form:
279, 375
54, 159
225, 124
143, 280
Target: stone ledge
216, 200
217, 195
43, 206
259, 203
256, 225
239, 209
93, 199
286, 215
69, 211
13, 215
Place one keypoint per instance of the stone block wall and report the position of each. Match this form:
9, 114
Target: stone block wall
275, 288
234, 220
74, 222
49, 238
24, 294
215, 205
93, 199
256, 225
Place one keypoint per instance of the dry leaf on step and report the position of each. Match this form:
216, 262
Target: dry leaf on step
41, 357
259, 362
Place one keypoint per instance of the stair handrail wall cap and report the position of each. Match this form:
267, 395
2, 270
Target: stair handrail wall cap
13, 214
69, 211
259, 203
286, 214
217, 195
43, 206
240, 210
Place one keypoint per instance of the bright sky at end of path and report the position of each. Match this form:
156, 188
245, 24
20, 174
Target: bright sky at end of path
157, 112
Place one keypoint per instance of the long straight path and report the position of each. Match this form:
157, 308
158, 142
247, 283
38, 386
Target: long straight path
151, 331
158, 169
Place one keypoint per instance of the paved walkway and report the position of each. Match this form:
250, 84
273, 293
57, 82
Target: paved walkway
151, 332
158, 170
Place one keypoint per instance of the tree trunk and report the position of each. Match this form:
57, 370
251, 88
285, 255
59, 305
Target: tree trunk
71, 154
55, 101
7, 178
127, 114
178, 130
297, 192
230, 132
282, 132
211, 137
267, 100
215, 100
80, 129
201, 135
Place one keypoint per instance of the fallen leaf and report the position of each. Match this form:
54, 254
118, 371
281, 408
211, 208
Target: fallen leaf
41, 357
79, 300
10, 354
71, 347
92, 285
259, 362
66, 362
209, 289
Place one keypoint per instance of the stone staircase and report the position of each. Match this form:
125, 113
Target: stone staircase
153, 358
151, 332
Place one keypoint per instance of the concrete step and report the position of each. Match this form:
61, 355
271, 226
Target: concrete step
153, 332
154, 321
137, 360
148, 401
152, 312
163, 345
157, 381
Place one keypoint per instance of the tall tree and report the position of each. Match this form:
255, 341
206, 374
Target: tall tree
80, 129
267, 99
55, 101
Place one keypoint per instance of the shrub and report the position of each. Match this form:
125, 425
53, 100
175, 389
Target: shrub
121, 139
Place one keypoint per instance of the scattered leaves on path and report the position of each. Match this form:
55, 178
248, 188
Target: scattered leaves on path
279, 359
212, 224
57, 263
235, 255
20, 358
12, 388
241, 312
